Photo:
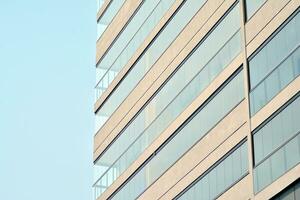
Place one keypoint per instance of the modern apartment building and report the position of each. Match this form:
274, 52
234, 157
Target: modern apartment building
197, 99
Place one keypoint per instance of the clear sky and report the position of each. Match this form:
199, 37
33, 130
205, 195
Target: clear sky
47, 53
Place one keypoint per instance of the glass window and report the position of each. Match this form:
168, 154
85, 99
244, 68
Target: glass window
287, 128
228, 171
258, 69
209, 186
274, 54
259, 96
277, 131
264, 174
296, 62
277, 163
286, 73
212, 184
258, 150
272, 85
283, 152
273, 68
205, 188
244, 158
220, 177
237, 168
291, 35
292, 152
267, 141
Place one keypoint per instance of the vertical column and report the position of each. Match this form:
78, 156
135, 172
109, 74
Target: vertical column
246, 89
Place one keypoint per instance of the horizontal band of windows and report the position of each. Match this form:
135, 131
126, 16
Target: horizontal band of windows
279, 163
173, 97
149, 57
148, 15
278, 79
294, 52
280, 37
221, 176
274, 126
273, 138
273, 68
173, 148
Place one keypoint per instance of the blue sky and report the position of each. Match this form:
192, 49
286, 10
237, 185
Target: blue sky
47, 53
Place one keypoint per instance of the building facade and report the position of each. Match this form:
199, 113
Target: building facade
197, 99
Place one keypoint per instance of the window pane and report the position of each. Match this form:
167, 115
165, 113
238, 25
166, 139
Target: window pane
212, 183
272, 85
286, 73
273, 68
259, 95
258, 67
236, 157
267, 141
205, 188
258, 144
220, 177
291, 35
228, 172
275, 54
244, 157
278, 164
264, 174
296, 61
292, 152
276, 127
